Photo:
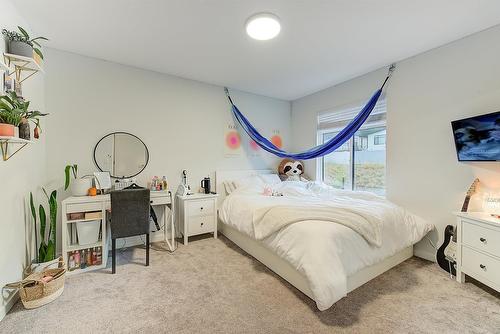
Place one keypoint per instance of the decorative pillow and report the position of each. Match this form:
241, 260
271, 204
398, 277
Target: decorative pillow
291, 170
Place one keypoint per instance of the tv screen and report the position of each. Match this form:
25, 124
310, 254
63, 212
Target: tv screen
478, 138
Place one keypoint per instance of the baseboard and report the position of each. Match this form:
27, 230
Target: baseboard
4, 309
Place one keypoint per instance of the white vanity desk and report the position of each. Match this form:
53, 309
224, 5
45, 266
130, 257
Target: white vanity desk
102, 203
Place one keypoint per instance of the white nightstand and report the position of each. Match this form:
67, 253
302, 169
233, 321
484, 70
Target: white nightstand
197, 214
478, 248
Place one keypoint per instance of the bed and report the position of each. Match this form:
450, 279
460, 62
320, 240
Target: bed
323, 259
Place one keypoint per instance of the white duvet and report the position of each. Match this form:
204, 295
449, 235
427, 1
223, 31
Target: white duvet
325, 252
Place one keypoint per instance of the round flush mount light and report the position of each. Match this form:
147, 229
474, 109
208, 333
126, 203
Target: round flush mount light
263, 26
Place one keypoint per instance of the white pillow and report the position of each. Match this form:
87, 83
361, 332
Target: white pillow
270, 178
254, 179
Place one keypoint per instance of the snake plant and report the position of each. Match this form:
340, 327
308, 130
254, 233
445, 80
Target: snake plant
47, 248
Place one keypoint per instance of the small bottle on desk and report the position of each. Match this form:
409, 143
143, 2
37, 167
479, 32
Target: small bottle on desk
83, 259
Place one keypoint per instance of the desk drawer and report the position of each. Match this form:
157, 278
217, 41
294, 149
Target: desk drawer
482, 238
204, 207
83, 207
479, 264
159, 200
200, 225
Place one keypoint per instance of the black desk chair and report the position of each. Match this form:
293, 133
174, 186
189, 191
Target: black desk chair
129, 217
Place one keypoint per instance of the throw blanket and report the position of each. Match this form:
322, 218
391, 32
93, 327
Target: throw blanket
267, 221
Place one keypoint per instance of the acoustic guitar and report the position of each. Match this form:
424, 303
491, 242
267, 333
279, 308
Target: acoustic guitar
446, 254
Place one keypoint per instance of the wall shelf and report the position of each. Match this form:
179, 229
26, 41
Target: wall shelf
5, 141
23, 67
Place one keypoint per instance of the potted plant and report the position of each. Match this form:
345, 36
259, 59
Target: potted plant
80, 186
46, 252
21, 44
15, 111
10, 118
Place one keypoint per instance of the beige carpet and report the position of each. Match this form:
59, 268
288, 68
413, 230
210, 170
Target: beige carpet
210, 286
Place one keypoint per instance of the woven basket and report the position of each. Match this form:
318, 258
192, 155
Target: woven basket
34, 292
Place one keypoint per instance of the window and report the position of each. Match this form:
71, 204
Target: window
359, 164
379, 140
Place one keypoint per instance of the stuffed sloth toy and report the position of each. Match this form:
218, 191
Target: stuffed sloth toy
291, 170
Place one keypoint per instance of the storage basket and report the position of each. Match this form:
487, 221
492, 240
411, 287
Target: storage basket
88, 232
34, 292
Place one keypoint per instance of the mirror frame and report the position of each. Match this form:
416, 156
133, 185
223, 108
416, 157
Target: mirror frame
125, 133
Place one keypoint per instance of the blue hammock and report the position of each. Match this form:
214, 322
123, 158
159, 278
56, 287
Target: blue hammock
319, 150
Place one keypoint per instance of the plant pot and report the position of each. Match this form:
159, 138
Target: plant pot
80, 187
7, 130
88, 232
24, 130
20, 49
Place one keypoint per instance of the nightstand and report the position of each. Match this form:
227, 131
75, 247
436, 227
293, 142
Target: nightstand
478, 248
197, 214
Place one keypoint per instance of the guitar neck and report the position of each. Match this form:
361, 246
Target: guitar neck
465, 206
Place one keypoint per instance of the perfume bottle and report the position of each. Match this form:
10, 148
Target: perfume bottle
164, 183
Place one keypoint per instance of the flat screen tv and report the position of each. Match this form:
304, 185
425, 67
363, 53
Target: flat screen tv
478, 138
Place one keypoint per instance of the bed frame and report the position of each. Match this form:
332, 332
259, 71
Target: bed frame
281, 266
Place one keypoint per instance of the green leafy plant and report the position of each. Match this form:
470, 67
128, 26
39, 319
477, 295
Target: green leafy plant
24, 37
67, 170
13, 109
47, 248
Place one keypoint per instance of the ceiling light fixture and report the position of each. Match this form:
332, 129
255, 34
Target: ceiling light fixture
263, 26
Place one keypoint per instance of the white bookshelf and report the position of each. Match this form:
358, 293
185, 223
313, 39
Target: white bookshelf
70, 242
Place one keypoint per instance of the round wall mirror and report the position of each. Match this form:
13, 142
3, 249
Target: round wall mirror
121, 154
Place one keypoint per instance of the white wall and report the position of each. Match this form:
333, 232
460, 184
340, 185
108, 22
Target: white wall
23, 173
426, 93
181, 121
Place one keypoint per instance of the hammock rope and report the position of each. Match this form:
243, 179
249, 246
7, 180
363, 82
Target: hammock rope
320, 150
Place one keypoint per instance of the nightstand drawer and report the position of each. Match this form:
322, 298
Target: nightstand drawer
201, 224
482, 238
479, 264
200, 207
